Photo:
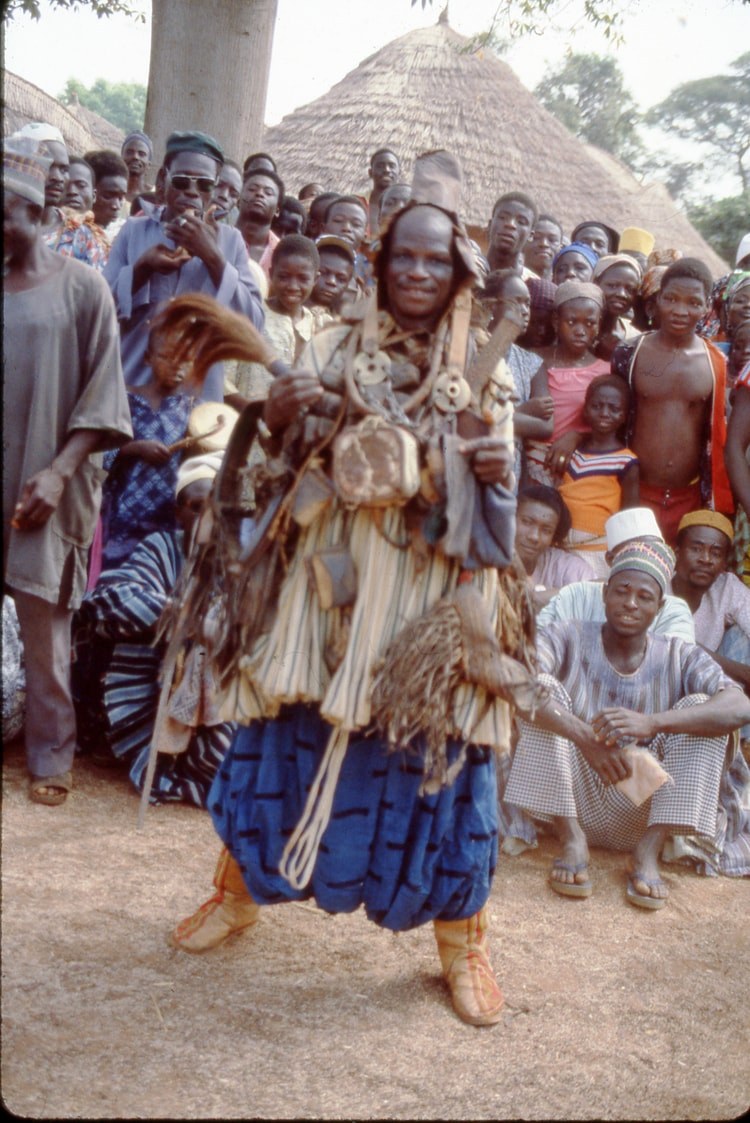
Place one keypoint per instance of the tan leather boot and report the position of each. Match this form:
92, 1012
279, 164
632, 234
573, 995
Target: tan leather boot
229, 910
462, 944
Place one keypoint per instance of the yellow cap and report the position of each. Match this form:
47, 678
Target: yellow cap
633, 238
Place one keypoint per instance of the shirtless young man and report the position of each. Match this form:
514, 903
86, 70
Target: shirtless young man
677, 426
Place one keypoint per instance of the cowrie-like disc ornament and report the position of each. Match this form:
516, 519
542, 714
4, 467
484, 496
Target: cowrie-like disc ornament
451, 393
369, 370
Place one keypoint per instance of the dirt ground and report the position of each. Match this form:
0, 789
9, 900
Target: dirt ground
612, 1013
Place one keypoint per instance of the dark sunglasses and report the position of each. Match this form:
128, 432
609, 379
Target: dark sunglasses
182, 182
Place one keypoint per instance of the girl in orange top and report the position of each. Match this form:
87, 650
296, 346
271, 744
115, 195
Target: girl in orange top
602, 474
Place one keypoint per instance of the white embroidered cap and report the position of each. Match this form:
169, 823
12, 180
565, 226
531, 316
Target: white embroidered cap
633, 522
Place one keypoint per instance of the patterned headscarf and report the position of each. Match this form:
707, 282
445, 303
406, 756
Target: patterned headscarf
737, 281
651, 282
654, 558
542, 295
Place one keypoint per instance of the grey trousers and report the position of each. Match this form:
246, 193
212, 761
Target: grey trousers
50, 727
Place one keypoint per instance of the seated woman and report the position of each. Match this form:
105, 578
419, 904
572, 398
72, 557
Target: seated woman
121, 615
542, 522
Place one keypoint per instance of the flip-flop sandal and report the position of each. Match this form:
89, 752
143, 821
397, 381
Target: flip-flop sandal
643, 900
61, 785
570, 888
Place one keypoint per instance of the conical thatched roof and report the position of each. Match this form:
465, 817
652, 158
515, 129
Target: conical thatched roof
424, 91
82, 129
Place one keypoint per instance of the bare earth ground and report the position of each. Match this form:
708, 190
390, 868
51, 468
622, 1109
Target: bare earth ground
611, 1013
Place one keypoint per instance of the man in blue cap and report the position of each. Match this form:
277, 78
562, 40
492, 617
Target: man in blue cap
176, 249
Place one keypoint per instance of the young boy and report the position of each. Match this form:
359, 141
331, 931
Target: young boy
346, 217
289, 324
677, 424
336, 271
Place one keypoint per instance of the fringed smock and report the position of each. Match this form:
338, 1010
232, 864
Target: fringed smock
407, 858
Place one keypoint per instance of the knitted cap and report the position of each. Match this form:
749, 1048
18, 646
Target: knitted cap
707, 518
24, 170
653, 558
138, 135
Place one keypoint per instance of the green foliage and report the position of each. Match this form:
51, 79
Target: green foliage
722, 222
715, 112
535, 17
587, 94
121, 103
99, 7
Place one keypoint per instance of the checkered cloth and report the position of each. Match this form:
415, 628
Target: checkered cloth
550, 777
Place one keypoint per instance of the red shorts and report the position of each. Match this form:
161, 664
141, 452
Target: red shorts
669, 504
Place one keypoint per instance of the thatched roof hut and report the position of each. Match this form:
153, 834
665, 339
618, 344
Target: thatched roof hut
424, 91
82, 129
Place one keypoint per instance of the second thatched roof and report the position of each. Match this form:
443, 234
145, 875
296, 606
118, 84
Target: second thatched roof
82, 129
425, 91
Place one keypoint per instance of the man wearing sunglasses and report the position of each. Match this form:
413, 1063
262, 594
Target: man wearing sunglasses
177, 249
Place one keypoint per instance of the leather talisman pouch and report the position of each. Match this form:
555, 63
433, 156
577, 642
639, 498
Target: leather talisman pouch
376, 464
313, 495
333, 576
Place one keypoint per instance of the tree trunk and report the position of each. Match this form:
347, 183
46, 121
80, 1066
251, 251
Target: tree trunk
209, 70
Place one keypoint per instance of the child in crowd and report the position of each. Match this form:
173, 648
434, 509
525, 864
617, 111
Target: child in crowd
542, 525
570, 365
739, 353
347, 217
619, 277
602, 475
138, 494
289, 323
533, 408
335, 273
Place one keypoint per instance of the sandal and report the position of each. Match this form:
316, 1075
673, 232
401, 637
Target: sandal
571, 888
60, 786
643, 900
